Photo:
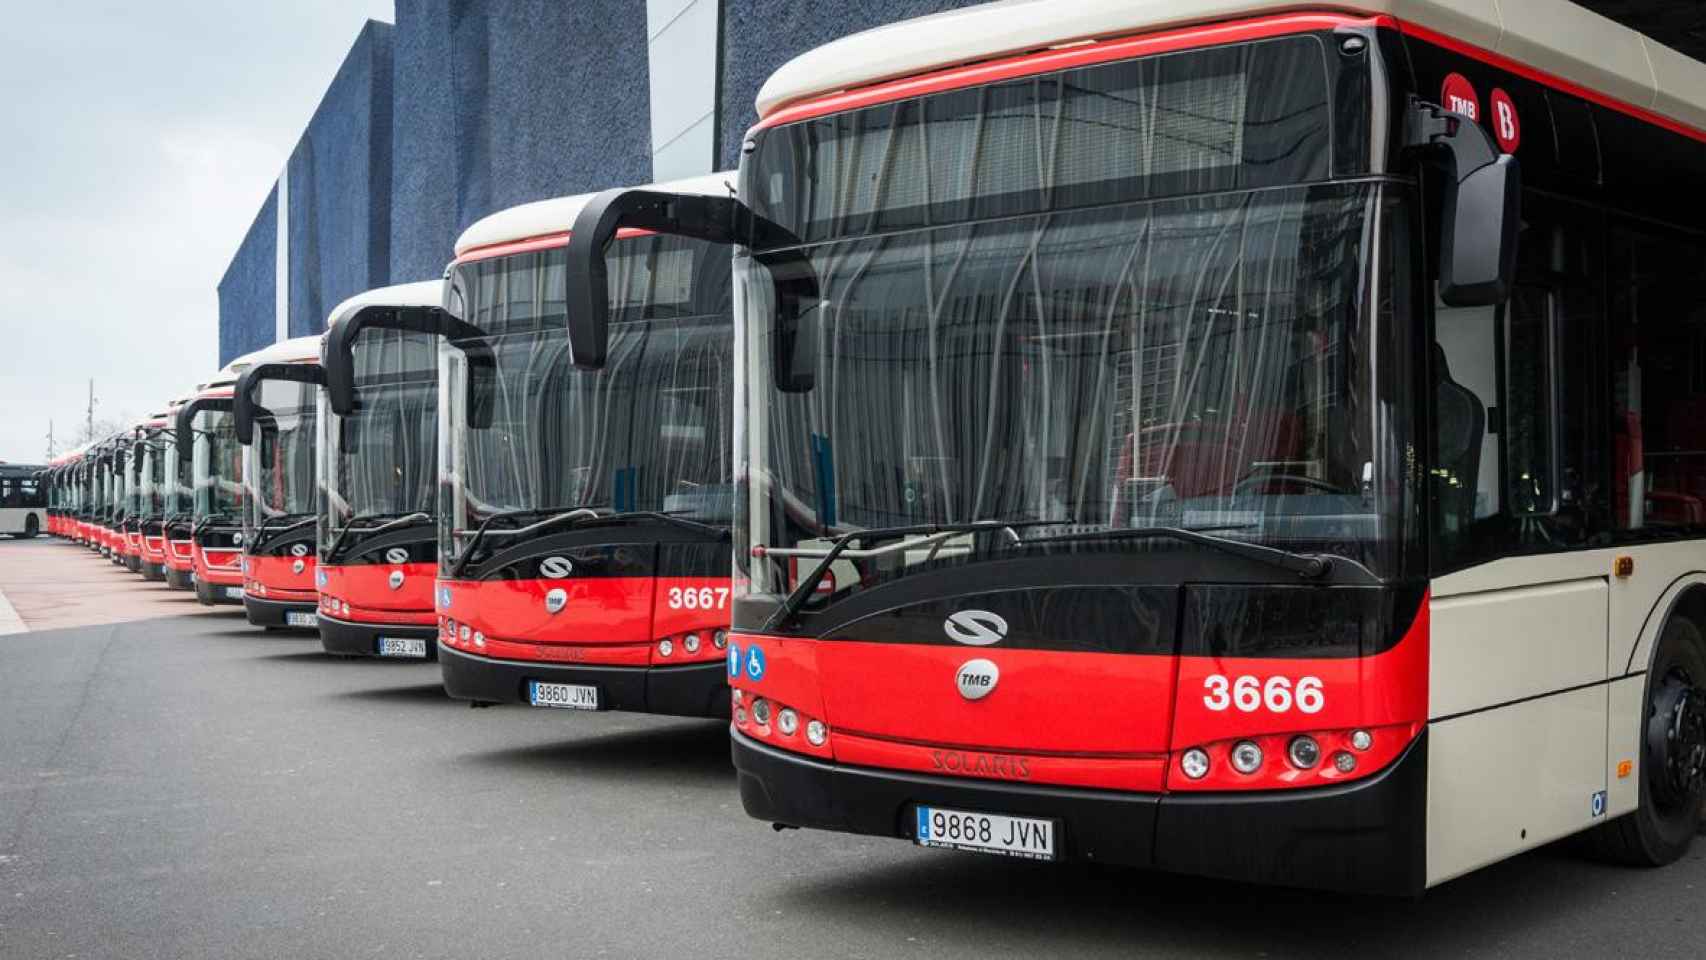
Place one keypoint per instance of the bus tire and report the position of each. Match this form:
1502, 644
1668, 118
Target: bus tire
31, 527
1673, 757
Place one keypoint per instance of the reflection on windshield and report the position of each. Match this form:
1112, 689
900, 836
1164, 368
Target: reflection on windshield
649, 432
279, 465
1199, 363
382, 458
218, 466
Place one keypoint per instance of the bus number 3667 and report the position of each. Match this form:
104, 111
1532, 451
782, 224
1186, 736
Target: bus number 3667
1250, 694
703, 598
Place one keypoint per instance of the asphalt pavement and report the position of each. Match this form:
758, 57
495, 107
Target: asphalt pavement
189, 786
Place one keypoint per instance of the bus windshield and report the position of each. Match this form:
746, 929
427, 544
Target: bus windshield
152, 498
176, 481
218, 467
380, 461
278, 471
1128, 296
649, 432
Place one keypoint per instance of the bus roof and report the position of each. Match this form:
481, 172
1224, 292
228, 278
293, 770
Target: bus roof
1554, 36
421, 293
544, 218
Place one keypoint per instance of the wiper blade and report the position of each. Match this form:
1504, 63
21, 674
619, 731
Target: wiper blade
1306, 565
266, 527
563, 516
391, 521
665, 516
931, 534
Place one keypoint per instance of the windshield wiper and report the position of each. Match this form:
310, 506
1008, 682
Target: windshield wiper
266, 526
932, 534
1306, 565
563, 515
677, 519
391, 521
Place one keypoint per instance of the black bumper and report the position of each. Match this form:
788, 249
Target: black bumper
348, 639
178, 579
698, 690
271, 613
1363, 837
153, 571
212, 594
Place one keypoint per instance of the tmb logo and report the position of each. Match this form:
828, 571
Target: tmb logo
977, 628
556, 568
976, 679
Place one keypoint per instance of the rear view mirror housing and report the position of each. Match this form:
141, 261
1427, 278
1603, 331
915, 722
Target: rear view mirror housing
1480, 209
184, 428
714, 219
243, 406
338, 354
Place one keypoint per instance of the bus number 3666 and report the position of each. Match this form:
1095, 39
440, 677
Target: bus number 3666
703, 598
1250, 694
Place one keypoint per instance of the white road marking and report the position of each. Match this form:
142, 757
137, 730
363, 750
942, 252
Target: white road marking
10, 622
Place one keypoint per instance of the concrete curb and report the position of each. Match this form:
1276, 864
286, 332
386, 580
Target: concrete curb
10, 622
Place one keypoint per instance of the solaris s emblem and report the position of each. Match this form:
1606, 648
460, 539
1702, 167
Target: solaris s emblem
976, 628
396, 555
556, 568
299, 549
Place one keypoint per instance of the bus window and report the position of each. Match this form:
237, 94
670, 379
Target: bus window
1531, 403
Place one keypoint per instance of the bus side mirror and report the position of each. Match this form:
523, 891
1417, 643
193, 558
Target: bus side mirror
722, 220
1480, 210
337, 354
245, 410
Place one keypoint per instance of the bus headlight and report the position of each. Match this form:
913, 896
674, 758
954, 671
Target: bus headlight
1304, 752
761, 712
690, 643
665, 648
1194, 763
817, 733
1246, 757
787, 721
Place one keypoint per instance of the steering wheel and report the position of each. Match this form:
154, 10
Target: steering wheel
1265, 479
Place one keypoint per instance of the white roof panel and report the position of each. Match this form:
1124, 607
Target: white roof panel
1555, 36
545, 217
421, 293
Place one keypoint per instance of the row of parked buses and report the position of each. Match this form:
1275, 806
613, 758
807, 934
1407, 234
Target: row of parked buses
1214, 436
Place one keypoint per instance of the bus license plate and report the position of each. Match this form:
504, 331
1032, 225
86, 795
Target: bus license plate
233, 593
297, 618
570, 696
1029, 837
402, 647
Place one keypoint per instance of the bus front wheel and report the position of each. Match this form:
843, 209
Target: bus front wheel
1673, 756
31, 527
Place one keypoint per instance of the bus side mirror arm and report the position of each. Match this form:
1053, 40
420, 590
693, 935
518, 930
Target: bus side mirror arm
337, 354
1481, 211
723, 220
243, 406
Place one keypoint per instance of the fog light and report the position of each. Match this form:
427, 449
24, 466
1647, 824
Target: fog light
690, 643
465, 632
720, 639
761, 712
1344, 762
817, 733
1304, 752
1362, 739
1194, 763
479, 639
665, 648
346, 608
1246, 756
787, 721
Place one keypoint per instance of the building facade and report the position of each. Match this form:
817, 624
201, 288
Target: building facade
465, 107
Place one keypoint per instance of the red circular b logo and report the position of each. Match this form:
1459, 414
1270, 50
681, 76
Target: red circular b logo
1457, 94
1507, 129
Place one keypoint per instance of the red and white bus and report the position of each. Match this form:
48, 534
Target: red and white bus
1220, 437
153, 491
206, 437
584, 540
378, 469
177, 524
275, 419
136, 500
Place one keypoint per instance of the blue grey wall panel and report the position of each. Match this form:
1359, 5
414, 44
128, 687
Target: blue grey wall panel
248, 293
339, 191
550, 100
761, 35
424, 207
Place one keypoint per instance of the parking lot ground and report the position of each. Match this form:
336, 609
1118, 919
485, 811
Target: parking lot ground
191, 787
51, 583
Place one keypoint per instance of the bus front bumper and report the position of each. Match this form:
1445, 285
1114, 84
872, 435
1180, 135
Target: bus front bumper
347, 638
1367, 837
276, 613
694, 690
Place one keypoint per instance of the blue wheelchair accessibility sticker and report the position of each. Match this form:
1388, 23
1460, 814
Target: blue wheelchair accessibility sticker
754, 664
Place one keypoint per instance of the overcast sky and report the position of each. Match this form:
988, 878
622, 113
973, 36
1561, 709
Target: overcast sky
137, 141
